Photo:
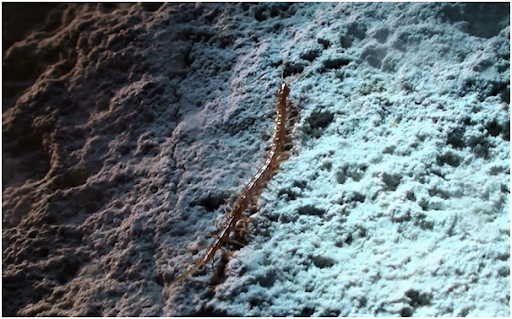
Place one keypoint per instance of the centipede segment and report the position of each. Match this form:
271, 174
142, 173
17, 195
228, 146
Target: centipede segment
256, 184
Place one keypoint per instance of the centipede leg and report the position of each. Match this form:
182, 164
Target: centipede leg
268, 133
284, 156
242, 230
236, 242
214, 271
254, 167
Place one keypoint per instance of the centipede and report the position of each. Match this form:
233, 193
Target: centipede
286, 117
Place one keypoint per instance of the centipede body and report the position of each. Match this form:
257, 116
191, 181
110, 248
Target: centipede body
254, 187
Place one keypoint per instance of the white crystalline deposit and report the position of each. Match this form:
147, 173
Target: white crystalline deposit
143, 119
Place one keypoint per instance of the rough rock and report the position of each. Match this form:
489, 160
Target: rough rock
126, 127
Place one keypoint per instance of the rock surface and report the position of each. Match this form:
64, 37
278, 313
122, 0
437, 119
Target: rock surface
125, 128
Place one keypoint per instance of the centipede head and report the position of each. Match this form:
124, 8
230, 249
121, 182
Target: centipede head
284, 90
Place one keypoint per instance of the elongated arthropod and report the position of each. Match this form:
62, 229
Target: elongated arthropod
255, 186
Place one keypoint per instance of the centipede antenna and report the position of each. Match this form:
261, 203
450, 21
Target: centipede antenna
294, 78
